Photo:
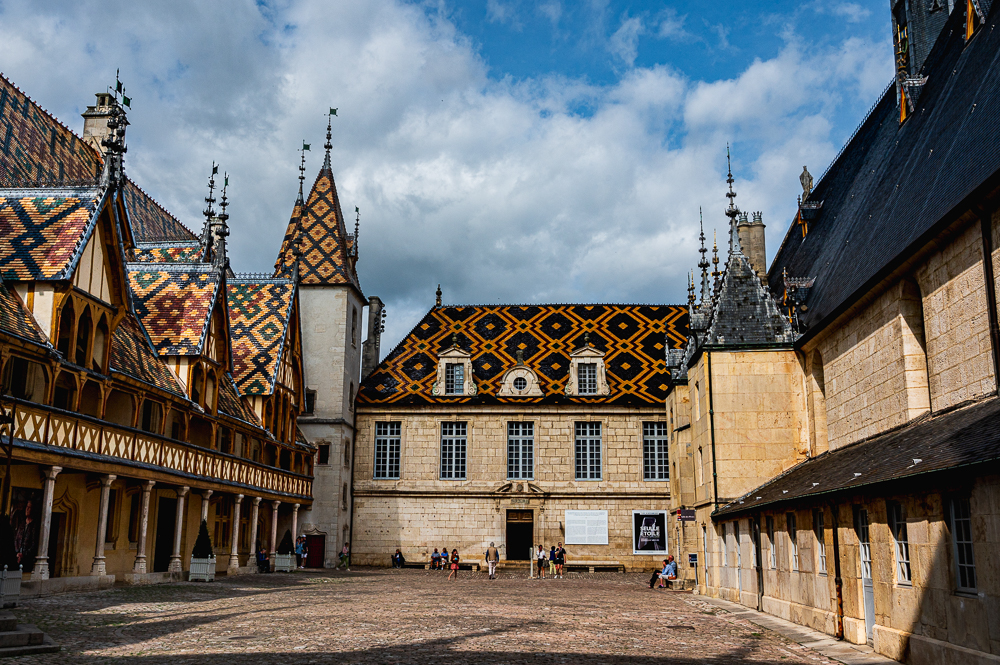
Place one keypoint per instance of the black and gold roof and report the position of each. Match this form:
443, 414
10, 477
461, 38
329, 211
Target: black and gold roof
259, 320
634, 339
317, 227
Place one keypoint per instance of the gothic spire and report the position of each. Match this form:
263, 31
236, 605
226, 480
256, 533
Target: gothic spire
209, 213
302, 173
715, 262
113, 173
329, 137
706, 294
732, 212
221, 232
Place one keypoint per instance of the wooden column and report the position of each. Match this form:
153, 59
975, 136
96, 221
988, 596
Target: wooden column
234, 554
140, 548
42, 560
175, 558
99, 567
205, 496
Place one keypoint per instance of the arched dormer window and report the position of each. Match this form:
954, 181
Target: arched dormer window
520, 380
99, 353
197, 377
67, 318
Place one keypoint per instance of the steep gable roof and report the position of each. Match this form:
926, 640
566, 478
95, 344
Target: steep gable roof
15, 319
175, 303
634, 339
132, 355
259, 318
168, 252
150, 221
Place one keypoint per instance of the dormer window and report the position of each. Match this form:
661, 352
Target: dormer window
587, 375
454, 379
454, 373
520, 380
587, 378
520, 383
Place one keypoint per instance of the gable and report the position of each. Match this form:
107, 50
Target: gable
174, 303
259, 321
150, 222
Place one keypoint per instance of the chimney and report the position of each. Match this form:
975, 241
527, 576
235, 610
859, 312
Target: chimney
95, 121
370, 347
752, 241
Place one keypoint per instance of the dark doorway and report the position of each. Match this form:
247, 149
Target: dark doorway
520, 534
163, 545
57, 536
317, 551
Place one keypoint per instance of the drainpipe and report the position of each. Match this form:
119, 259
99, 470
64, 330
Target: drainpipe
711, 418
986, 231
838, 581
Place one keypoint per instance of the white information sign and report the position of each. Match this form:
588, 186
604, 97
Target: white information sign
586, 527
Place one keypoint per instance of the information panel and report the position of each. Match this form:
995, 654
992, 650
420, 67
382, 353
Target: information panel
586, 527
649, 531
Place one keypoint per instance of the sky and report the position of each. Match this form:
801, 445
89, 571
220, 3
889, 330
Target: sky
512, 151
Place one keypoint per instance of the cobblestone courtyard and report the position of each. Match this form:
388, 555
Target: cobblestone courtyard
409, 616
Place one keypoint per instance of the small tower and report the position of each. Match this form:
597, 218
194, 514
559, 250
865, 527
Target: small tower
95, 120
752, 242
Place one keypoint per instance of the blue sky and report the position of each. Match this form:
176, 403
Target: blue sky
512, 151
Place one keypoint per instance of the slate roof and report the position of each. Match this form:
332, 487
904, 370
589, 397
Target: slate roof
956, 439
174, 303
885, 193
168, 252
150, 221
259, 319
318, 228
132, 355
43, 230
15, 318
633, 337
35, 148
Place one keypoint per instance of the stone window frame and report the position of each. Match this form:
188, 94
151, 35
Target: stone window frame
465, 436
520, 371
602, 429
587, 354
393, 458
521, 437
819, 529
896, 521
653, 424
454, 356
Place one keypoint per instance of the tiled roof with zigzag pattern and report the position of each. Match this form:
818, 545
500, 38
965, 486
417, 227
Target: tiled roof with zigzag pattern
16, 319
258, 325
174, 304
131, 355
634, 339
150, 221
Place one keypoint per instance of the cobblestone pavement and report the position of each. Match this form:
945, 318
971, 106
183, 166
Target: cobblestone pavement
401, 617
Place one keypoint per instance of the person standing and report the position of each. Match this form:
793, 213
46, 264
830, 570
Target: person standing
552, 561
560, 560
492, 558
345, 558
298, 551
540, 556
454, 565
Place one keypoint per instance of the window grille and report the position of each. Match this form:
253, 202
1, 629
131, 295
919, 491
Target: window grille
819, 527
521, 451
453, 446
387, 445
792, 539
587, 378
588, 451
655, 441
454, 379
897, 525
961, 535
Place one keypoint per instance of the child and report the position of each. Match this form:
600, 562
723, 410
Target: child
454, 564
444, 558
435, 559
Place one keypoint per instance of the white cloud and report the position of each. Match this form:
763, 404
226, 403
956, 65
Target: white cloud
502, 12
672, 26
624, 43
852, 11
499, 190
552, 11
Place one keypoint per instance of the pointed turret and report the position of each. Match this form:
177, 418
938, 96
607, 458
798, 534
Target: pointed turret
706, 289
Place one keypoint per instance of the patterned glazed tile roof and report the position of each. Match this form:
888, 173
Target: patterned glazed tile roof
42, 230
634, 339
132, 355
35, 148
167, 252
16, 319
259, 312
150, 221
322, 237
234, 406
174, 303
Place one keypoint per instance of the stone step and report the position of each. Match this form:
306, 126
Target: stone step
25, 635
40, 644
7, 621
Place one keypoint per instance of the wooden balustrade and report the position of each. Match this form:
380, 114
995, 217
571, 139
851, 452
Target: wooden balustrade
59, 429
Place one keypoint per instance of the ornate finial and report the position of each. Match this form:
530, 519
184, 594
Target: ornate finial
329, 137
732, 212
806, 180
520, 356
586, 338
454, 339
222, 230
357, 227
209, 211
113, 172
302, 171
224, 203
690, 279
437, 297
207, 241
703, 264
715, 262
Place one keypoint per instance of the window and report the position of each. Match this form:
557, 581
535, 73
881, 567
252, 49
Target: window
588, 451
587, 379
793, 542
453, 445
520, 383
454, 379
818, 527
654, 452
724, 545
704, 548
961, 537
897, 525
699, 468
134, 514
111, 526
697, 401
343, 498
324, 453
354, 326
521, 451
387, 437
350, 398
310, 405
736, 540
772, 559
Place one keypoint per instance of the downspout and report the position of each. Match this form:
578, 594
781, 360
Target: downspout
711, 419
986, 231
838, 581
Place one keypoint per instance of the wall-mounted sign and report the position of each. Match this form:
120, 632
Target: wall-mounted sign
649, 531
685, 515
586, 527
524, 502
693, 558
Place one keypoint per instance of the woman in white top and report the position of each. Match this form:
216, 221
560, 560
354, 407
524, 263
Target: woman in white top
542, 557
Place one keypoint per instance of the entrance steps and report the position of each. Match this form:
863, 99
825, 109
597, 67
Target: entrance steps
22, 639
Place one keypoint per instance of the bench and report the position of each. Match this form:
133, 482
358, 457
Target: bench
591, 565
474, 567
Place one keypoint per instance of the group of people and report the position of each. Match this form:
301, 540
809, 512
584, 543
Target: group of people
442, 560
554, 560
301, 551
668, 572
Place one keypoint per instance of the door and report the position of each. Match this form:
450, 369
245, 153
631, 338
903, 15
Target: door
520, 534
163, 544
57, 536
317, 551
865, 555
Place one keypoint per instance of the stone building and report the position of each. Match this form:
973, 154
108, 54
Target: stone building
841, 460
519, 425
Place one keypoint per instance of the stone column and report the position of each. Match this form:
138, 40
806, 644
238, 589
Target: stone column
254, 515
42, 560
274, 527
205, 496
295, 522
140, 547
175, 559
234, 554
98, 567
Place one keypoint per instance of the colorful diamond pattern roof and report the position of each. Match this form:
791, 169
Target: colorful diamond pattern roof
322, 238
634, 339
174, 252
131, 355
16, 319
150, 221
174, 304
42, 230
234, 406
35, 148
259, 313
